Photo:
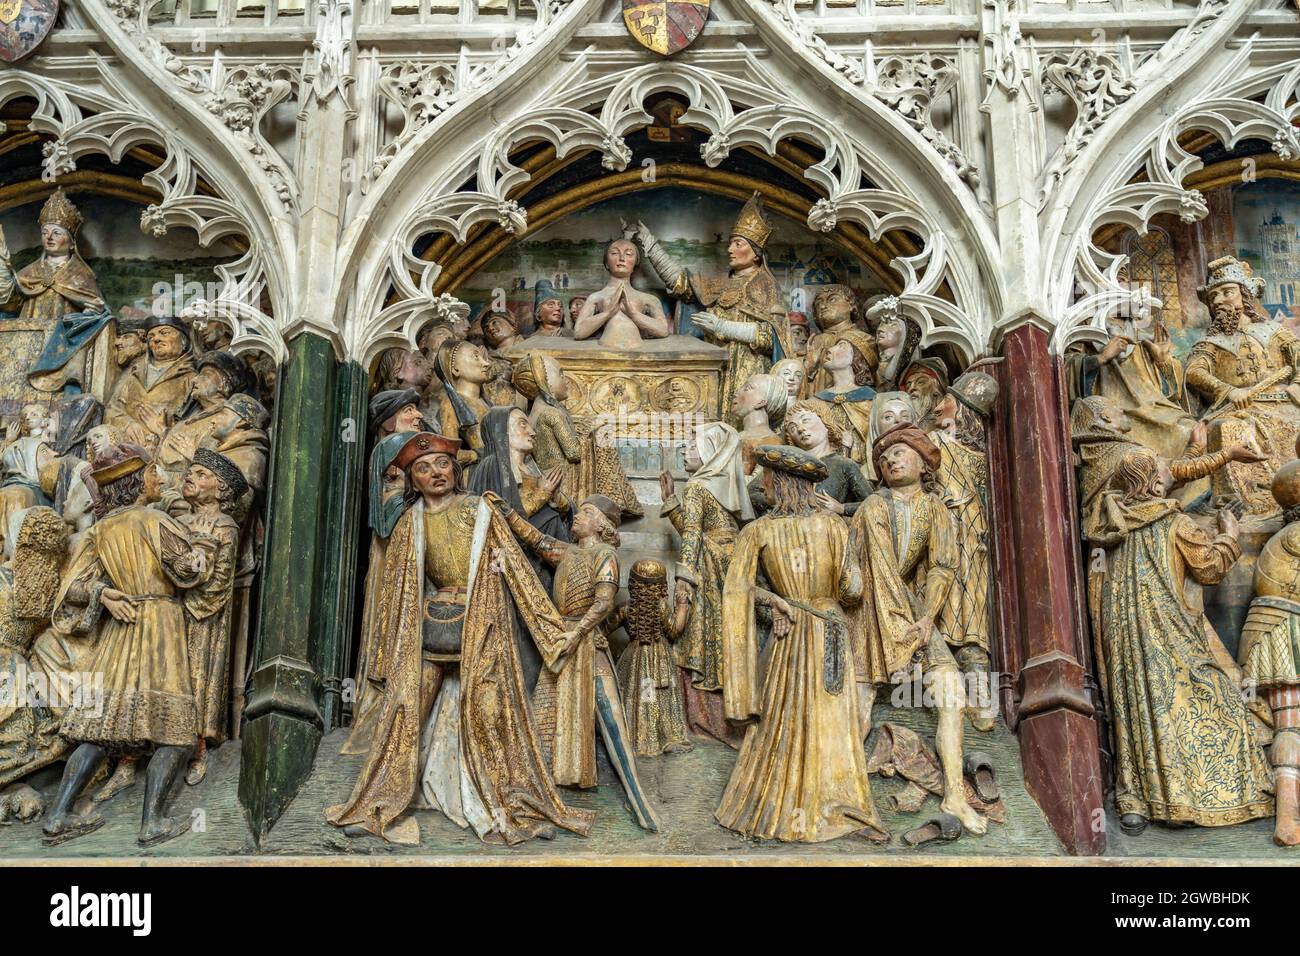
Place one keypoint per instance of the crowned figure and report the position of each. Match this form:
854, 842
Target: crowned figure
57, 296
744, 313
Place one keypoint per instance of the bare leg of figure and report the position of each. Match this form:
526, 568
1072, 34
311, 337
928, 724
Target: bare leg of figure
951, 701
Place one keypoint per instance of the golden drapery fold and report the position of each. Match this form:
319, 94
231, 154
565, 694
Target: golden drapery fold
878, 627
500, 752
801, 775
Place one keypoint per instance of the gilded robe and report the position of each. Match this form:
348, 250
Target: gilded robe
852, 411
708, 538
752, 298
591, 466
148, 693
908, 551
162, 392
245, 446
963, 476
207, 629
801, 774
479, 760
1185, 749
564, 701
1251, 358
647, 679
44, 295
1151, 392
29, 730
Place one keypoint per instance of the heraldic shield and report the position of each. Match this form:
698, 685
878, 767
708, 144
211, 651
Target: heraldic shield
665, 28
23, 25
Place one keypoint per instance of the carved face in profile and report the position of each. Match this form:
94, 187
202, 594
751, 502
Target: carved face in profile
799, 339
620, 258
153, 483
201, 486
1164, 479
889, 336
740, 253
212, 335
807, 429
521, 432
588, 522
498, 330
165, 343
752, 395
691, 455
55, 240
434, 475
901, 466
575, 306
126, 346
471, 364
839, 355
407, 419
208, 385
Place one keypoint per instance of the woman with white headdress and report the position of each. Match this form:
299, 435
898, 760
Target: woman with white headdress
706, 517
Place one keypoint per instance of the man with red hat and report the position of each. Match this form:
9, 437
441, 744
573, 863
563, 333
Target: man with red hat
907, 540
451, 723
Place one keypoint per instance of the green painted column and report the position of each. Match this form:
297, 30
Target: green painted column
304, 622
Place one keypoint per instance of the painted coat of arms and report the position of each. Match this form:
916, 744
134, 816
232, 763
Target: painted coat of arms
23, 25
665, 27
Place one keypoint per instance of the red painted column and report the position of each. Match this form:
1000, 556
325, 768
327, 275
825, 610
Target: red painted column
1042, 641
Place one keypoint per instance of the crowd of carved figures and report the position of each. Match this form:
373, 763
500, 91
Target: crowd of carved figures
131, 534
831, 543
1187, 470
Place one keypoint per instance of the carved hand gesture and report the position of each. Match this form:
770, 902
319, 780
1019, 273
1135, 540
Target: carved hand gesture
829, 503
118, 604
782, 616
666, 488
551, 480
1116, 345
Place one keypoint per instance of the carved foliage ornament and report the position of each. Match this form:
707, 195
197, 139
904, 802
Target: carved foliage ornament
240, 97
449, 207
1265, 106
424, 91
1097, 83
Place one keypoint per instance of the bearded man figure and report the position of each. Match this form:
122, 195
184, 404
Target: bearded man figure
1247, 371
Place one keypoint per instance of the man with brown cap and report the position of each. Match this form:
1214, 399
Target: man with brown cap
907, 545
